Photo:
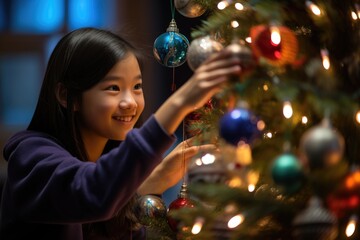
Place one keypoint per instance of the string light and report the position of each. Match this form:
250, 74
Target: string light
222, 5
354, 15
265, 87
252, 179
351, 226
287, 110
235, 221
197, 225
208, 159
260, 125
358, 116
313, 8
325, 58
275, 35
251, 187
268, 135
239, 6
235, 24
304, 120
248, 39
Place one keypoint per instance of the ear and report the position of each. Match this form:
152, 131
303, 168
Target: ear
61, 94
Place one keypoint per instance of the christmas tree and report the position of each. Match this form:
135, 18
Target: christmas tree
287, 129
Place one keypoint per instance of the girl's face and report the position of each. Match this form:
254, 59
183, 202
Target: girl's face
111, 108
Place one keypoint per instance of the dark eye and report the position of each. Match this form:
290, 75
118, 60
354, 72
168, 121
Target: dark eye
113, 88
138, 86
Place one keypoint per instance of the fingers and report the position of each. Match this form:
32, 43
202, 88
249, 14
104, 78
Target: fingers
218, 64
191, 151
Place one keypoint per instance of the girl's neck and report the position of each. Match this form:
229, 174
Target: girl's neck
94, 148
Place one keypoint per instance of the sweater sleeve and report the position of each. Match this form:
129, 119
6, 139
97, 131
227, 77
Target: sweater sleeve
47, 184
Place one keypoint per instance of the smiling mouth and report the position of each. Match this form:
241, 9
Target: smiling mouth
124, 119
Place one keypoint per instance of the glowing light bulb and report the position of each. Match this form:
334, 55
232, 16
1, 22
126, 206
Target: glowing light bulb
251, 187
235, 221
265, 87
275, 36
354, 16
198, 162
269, 135
358, 116
248, 39
260, 125
222, 5
313, 8
197, 225
325, 58
239, 6
351, 226
304, 120
208, 159
235, 24
287, 110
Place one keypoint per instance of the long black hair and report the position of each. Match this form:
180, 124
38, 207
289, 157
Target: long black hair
79, 61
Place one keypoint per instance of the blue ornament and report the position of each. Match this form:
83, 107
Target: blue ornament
170, 48
239, 124
287, 172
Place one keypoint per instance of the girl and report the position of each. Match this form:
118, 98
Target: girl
68, 168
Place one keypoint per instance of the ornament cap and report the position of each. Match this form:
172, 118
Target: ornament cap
183, 191
172, 26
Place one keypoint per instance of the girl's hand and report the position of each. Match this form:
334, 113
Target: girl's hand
206, 81
173, 167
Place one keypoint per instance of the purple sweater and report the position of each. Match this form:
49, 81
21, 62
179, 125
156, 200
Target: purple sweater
49, 193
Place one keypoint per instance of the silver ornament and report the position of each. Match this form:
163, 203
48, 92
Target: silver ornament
150, 207
315, 222
200, 49
189, 8
321, 146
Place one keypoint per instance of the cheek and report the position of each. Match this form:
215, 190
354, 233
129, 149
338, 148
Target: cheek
141, 104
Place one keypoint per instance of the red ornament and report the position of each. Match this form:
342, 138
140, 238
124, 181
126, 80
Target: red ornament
277, 54
347, 198
181, 202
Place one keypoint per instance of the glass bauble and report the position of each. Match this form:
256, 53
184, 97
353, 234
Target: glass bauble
170, 48
189, 8
237, 125
201, 49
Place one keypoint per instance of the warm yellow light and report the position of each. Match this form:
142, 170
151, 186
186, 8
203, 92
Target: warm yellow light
260, 125
275, 36
198, 162
243, 153
235, 24
313, 8
354, 15
222, 5
251, 187
268, 135
287, 110
239, 6
325, 58
248, 39
304, 120
208, 159
235, 221
351, 226
265, 87
197, 225
358, 116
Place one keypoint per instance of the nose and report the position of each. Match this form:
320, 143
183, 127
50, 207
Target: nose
127, 101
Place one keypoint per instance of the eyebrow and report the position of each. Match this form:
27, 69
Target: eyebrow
111, 78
